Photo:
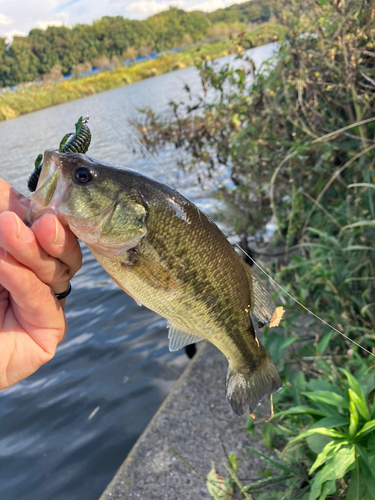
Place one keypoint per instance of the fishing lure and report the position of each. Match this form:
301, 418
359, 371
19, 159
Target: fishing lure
77, 142
34, 177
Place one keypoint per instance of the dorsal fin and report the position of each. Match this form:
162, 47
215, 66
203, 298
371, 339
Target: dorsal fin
262, 305
179, 339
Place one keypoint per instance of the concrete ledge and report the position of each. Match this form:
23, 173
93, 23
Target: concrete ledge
195, 420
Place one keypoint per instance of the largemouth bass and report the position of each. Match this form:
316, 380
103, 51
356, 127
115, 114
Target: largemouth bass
169, 256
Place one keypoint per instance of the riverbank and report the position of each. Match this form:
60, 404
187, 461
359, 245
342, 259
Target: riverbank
33, 98
193, 428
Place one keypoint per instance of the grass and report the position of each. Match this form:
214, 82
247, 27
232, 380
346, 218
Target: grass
32, 98
297, 137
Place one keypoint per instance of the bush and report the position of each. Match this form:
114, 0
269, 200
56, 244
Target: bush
297, 137
101, 62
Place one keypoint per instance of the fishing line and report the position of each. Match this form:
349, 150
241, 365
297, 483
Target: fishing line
247, 255
305, 308
134, 137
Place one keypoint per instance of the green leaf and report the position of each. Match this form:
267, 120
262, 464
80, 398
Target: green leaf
266, 483
358, 247
322, 345
357, 487
268, 496
270, 460
265, 472
325, 236
330, 422
366, 307
353, 384
369, 383
329, 487
366, 429
317, 442
353, 419
360, 404
300, 410
327, 453
267, 433
370, 442
250, 426
322, 385
287, 343
367, 470
336, 468
359, 224
233, 461
311, 432
329, 398
362, 184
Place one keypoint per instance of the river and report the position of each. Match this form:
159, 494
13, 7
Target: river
66, 429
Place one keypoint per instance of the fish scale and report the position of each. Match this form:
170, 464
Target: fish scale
169, 256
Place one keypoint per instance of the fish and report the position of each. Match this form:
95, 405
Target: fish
168, 256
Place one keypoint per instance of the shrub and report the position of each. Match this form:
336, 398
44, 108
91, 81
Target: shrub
297, 138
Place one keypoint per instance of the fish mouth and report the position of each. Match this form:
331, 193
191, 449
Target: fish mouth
51, 189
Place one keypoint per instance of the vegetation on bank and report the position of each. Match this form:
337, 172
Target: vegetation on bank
298, 138
60, 50
34, 97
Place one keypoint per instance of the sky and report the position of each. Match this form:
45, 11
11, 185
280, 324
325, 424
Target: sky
18, 17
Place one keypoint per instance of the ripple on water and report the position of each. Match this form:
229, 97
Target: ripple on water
115, 356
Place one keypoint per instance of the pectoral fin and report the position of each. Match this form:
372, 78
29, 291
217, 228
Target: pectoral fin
262, 305
153, 274
178, 338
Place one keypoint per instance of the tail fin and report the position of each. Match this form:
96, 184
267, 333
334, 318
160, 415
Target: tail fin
246, 388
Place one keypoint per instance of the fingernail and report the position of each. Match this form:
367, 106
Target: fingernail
3, 254
60, 234
18, 225
23, 233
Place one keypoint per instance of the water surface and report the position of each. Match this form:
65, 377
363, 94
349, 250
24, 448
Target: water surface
66, 429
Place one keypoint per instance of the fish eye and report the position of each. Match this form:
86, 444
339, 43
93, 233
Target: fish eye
83, 175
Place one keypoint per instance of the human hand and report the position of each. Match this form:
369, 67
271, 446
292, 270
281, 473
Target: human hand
35, 264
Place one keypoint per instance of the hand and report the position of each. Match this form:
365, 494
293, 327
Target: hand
35, 263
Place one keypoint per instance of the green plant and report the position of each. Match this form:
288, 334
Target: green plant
254, 118
31, 98
340, 437
110, 38
297, 137
327, 432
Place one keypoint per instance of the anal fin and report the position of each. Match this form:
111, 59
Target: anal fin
179, 339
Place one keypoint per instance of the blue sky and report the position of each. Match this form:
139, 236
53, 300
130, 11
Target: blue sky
20, 16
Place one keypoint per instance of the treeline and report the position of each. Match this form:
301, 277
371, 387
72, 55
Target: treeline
58, 51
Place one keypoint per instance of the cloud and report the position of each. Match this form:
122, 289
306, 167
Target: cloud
24, 15
43, 25
11, 34
146, 8
210, 5
4, 20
